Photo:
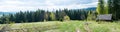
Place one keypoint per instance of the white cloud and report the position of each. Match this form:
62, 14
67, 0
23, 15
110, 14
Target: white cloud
17, 5
13, 2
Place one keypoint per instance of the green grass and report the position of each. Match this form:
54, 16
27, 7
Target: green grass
67, 26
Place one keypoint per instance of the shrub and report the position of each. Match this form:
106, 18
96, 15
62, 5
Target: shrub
66, 18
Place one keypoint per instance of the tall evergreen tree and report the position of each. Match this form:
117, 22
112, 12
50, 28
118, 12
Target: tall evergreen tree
101, 8
52, 16
114, 8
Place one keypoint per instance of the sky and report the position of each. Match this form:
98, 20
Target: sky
32, 5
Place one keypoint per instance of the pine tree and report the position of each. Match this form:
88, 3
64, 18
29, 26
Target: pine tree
11, 18
66, 18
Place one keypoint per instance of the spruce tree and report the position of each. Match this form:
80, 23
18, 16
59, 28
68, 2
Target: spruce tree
114, 8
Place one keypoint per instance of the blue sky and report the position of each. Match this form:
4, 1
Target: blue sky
23, 5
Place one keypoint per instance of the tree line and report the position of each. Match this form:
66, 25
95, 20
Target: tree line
42, 15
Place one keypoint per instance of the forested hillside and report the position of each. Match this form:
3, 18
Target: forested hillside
42, 15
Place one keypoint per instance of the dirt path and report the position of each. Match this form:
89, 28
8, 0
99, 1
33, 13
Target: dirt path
86, 27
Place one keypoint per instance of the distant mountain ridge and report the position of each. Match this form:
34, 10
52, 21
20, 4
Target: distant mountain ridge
6, 13
91, 8
87, 9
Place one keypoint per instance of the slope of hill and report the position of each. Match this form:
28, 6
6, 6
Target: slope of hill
69, 26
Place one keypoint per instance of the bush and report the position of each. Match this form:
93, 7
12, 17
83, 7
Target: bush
91, 15
66, 18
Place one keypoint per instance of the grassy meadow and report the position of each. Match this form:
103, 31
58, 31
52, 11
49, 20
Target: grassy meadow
66, 26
